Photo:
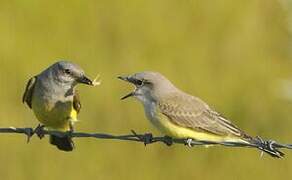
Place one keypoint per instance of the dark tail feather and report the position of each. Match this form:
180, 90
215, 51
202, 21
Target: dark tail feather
63, 143
268, 147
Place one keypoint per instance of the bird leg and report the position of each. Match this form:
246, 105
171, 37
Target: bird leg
71, 127
71, 131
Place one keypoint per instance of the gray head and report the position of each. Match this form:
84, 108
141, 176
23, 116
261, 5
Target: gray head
149, 85
67, 73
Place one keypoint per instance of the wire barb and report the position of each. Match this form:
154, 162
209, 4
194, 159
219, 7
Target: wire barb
147, 138
269, 147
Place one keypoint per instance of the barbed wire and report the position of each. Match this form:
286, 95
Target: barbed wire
146, 138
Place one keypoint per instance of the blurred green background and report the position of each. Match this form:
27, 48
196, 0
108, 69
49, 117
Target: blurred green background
233, 54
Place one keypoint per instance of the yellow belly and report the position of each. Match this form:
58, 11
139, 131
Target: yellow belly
57, 116
168, 128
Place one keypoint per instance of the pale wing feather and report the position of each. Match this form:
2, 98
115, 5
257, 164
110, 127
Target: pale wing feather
191, 112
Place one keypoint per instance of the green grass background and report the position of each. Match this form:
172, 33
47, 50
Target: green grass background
232, 54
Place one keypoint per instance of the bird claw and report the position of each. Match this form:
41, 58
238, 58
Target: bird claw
70, 133
39, 131
189, 142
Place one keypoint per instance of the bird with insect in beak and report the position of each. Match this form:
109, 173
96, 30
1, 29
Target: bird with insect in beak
53, 97
179, 115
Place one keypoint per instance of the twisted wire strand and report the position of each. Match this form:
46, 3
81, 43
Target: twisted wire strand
146, 138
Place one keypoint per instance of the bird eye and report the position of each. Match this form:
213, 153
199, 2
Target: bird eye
139, 82
67, 71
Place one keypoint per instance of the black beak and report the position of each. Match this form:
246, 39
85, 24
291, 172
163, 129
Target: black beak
128, 95
127, 79
124, 78
85, 80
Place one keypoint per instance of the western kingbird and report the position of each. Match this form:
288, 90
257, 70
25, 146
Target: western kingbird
180, 115
55, 101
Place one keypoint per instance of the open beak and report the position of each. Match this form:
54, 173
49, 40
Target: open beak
85, 80
128, 95
130, 80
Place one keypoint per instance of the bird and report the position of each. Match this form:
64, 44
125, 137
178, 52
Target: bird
177, 114
53, 98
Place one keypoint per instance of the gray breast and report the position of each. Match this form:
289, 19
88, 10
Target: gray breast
150, 111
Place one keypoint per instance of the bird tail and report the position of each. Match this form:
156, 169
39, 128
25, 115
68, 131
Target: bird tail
267, 146
64, 143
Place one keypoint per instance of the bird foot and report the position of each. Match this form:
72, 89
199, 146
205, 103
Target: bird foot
39, 131
70, 133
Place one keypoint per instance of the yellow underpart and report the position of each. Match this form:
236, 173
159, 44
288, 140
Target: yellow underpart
55, 117
175, 131
73, 115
